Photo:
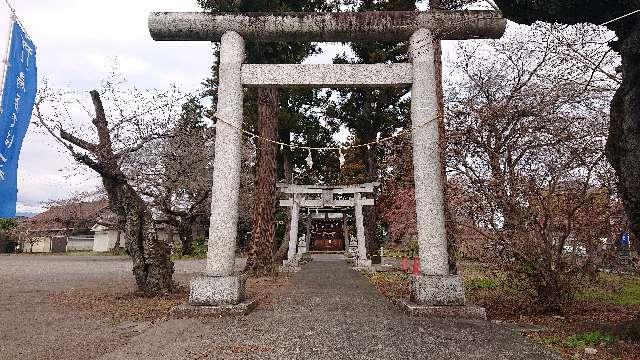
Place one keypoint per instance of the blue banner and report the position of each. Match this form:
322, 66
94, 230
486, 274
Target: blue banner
20, 86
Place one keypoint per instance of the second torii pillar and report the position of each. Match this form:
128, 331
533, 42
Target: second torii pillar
435, 287
361, 260
220, 286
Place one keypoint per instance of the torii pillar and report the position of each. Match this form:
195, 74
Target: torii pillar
436, 288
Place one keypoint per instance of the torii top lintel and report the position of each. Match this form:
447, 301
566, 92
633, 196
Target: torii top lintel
327, 27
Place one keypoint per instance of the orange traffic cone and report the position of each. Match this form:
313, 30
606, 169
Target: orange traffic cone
416, 266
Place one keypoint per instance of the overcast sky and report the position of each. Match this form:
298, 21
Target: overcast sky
76, 41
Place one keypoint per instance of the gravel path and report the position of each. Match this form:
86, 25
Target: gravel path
328, 311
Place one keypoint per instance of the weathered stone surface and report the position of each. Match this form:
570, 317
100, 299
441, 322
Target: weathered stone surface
437, 290
324, 75
217, 290
187, 310
362, 263
362, 241
226, 166
291, 266
293, 229
331, 27
458, 312
429, 188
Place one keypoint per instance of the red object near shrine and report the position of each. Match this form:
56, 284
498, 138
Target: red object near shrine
405, 264
416, 266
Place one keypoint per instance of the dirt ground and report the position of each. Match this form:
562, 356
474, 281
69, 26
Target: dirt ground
82, 307
36, 324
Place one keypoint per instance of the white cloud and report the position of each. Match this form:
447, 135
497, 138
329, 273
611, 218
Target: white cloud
76, 41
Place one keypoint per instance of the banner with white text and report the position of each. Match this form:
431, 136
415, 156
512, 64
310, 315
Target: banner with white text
20, 86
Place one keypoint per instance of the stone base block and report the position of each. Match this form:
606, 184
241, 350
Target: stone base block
217, 290
186, 310
437, 290
363, 263
290, 266
468, 312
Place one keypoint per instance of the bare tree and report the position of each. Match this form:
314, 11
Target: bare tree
526, 136
131, 121
623, 146
175, 177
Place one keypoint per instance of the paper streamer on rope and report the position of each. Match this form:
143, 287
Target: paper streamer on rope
309, 160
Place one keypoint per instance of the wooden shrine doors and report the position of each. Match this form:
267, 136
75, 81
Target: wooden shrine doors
327, 235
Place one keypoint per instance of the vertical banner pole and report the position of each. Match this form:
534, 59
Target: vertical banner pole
5, 58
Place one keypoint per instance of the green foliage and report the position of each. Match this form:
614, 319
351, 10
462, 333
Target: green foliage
372, 113
198, 250
200, 247
620, 290
281, 225
482, 284
580, 340
300, 113
410, 249
119, 251
7, 224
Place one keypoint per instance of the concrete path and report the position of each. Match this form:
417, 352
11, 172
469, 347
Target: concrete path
328, 311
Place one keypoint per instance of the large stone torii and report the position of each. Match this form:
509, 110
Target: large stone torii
436, 291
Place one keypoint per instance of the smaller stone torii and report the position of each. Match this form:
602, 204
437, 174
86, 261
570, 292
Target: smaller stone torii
300, 199
435, 291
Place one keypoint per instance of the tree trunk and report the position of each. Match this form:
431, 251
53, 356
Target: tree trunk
186, 236
281, 252
116, 246
549, 294
260, 255
623, 145
370, 213
152, 266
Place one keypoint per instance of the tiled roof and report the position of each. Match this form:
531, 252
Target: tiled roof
80, 215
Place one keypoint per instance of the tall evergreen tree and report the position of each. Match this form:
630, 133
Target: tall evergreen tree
266, 104
373, 113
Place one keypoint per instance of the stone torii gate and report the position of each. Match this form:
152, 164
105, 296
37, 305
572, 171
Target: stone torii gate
436, 288
299, 199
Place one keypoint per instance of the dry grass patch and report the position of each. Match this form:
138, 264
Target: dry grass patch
392, 284
120, 307
135, 306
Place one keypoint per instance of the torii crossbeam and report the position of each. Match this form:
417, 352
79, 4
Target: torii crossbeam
327, 27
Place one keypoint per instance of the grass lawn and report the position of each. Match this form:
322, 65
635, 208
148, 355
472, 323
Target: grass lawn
594, 320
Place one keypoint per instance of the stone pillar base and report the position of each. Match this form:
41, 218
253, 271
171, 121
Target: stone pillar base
363, 263
217, 290
292, 265
188, 311
437, 290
